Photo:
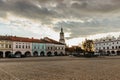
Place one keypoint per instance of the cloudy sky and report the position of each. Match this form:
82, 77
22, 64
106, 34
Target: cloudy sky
80, 18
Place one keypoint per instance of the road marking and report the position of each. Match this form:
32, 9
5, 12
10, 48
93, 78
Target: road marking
9, 74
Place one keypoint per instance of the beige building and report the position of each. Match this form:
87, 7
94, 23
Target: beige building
5, 46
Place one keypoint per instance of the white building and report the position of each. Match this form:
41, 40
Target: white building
107, 46
54, 47
22, 46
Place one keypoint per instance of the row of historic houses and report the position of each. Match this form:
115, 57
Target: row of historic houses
21, 46
107, 46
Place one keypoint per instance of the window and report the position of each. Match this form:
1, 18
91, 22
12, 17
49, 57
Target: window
35, 47
10, 46
2, 45
42, 47
112, 47
38, 47
103, 47
29, 47
107, 47
19, 46
117, 42
16, 46
6, 46
23, 46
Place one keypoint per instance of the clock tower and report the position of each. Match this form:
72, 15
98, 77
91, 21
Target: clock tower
62, 39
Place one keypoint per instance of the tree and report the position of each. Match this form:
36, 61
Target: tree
88, 45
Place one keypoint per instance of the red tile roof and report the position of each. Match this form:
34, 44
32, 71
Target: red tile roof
24, 39
52, 41
4, 37
20, 39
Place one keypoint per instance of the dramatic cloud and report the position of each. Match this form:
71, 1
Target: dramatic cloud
79, 18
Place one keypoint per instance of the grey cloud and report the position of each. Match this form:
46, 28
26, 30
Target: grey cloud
67, 9
28, 9
80, 8
96, 5
79, 29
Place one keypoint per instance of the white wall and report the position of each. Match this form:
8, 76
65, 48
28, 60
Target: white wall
21, 49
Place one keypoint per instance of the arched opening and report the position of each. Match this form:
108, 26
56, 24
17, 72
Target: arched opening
7, 54
1, 54
35, 54
42, 54
55, 54
101, 52
113, 52
108, 52
18, 54
27, 54
61, 54
118, 52
49, 54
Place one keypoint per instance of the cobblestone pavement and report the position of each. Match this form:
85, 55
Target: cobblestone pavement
60, 68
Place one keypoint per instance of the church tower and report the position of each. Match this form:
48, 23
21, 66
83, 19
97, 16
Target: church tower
62, 39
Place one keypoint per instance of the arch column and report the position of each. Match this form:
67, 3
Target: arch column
116, 52
3, 54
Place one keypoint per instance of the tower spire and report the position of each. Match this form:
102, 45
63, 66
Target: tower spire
62, 39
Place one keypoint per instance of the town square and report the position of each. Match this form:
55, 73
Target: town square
59, 39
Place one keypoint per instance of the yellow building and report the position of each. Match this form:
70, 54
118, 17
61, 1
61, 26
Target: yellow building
5, 46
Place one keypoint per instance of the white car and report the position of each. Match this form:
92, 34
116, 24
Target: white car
113, 54
96, 54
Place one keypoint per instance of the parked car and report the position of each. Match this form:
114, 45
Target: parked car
96, 54
113, 54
